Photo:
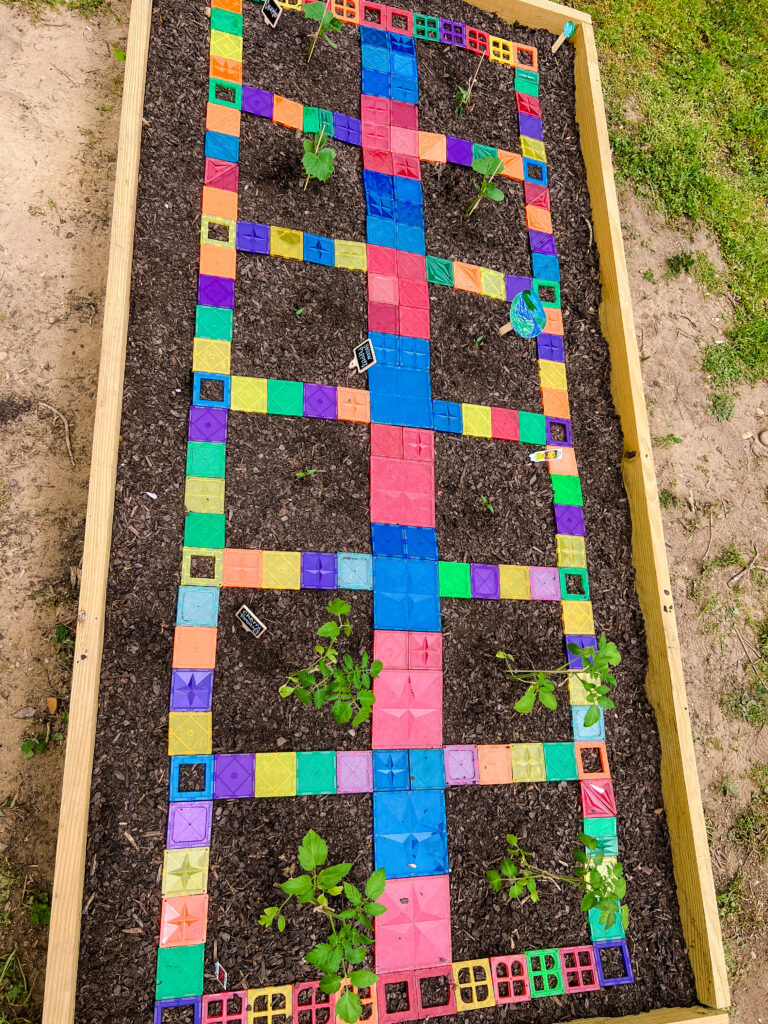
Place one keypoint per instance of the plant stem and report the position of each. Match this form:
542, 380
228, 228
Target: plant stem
481, 193
318, 143
316, 36
472, 81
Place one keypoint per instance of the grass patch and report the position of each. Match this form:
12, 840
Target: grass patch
14, 989
668, 499
688, 119
727, 559
721, 405
750, 829
748, 705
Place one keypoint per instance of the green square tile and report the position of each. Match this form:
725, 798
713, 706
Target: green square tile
326, 120
567, 490
439, 271
179, 971
316, 772
545, 973
480, 151
524, 86
220, 91
538, 283
526, 75
560, 762
285, 397
454, 579
205, 458
426, 27
212, 322
604, 831
202, 530
533, 428
598, 932
226, 21
310, 120
583, 575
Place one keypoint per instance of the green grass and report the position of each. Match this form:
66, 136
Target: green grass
687, 95
668, 499
14, 989
721, 405
750, 829
748, 705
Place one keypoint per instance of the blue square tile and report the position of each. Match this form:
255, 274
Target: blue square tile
414, 353
447, 417
374, 59
390, 770
197, 606
528, 166
209, 403
399, 410
545, 267
411, 239
355, 571
380, 184
407, 190
399, 43
406, 594
386, 540
410, 214
177, 762
380, 231
582, 733
386, 348
404, 89
374, 37
420, 542
402, 65
410, 833
222, 147
427, 769
376, 83
318, 249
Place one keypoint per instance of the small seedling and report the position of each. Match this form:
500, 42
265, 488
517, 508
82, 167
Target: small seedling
464, 96
305, 472
39, 906
64, 641
597, 680
299, 312
489, 167
683, 262
347, 945
318, 159
668, 499
37, 744
14, 989
667, 440
648, 275
601, 881
478, 341
486, 504
335, 679
326, 22
722, 405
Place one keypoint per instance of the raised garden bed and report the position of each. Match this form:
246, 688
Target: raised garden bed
473, 547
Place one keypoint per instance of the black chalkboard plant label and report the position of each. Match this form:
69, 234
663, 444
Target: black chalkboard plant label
271, 11
250, 622
363, 357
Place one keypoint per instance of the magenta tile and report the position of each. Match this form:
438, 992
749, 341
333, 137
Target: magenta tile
207, 424
354, 771
484, 580
320, 401
233, 776
545, 583
461, 765
189, 824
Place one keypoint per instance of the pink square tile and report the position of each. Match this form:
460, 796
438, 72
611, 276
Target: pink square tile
375, 108
391, 689
383, 317
390, 647
382, 260
389, 506
414, 323
354, 772
545, 583
425, 650
504, 424
382, 288
411, 266
389, 728
416, 510
416, 930
405, 141
414, 293
386, 441
377, 160
425, 728
418, 444
404, 115
597, 798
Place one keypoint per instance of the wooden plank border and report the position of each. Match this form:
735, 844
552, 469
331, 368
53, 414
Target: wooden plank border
665, 684
66, 910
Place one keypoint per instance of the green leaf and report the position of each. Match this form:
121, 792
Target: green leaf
338, 606
280, 923
315, 11
375, 909
588, 901
592, 716
487, 165
330, 983
625, 917
300, 886
331, 629
353, 894
363, 979
494, 193
362, 715
324, 957
342, 711
118, 54
348, 1007
374, 887
303, 695
313, 851
376, 667
286, 691
548, 700
589, 841
494, 880
526, 702
506, 867
331, 876
320, 166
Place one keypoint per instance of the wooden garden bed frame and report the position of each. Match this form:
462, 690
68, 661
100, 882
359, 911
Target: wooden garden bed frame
664, 682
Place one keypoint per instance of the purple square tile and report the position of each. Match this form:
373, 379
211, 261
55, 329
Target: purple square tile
563, 432
628, 977
515, 285
484, 580
318, 571
581, 640
216, 291
551, 346
530, 126
234, 776
542, 242
346, 129
569, 519
258, 102
458, 151
191, 690
189, 824
195, 1002
545, 583
320, 401
252, 237
461, 765
453, 32
206, 424
354, 771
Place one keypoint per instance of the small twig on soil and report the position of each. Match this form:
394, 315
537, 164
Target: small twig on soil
586, 221
60, 416
741, 572
709, 545
691, 322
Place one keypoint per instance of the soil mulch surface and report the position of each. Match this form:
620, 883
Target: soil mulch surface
297, 321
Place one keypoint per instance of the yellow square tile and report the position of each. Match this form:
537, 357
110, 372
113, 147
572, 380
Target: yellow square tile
577, 618
528, 762
208, 226
204, 494
249, 394
476, 420
287, 243
467, 981
552, 375
224, 44
276, 774
281, 570
270, 1005
533, 149
351, 255
500, 51
571, 552
211, 356
187, 578
515, 582
493, 284
185, 872
576, 692
189, 732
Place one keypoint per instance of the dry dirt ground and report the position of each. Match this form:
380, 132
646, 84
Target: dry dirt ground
60, 90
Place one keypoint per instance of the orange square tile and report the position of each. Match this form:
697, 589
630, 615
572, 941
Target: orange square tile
288, 113
432, 147
494, 764
221, 118
353, 405
603, 771
217, 260
194, 647
218, 202
566, 466
235, 6
554, 321
225, 69
241, 567
532, 64
184, 920
555, 403
538, 219
466, 278
513, 165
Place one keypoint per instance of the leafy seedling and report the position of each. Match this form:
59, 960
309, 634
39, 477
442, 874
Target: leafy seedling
37, 744
489, 167
486, 504
464, 96
478, 341
299, 312
601, 881
326, 22
14, 989
667, 440
339, 957
597, 680
305, 472
39, 906
335, 679
318, 159
64, 641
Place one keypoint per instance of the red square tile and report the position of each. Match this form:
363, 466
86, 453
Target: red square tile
414, 323
386, 441
404, 115
383, 317
504, 424
536, 195
382, 288
597, 799
414, 293
382, 260
406, 166
221, 174
411, 266
375, 136
425, 650
377, 160
375, 109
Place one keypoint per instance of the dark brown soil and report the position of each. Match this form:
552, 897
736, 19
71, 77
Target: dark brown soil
254, 842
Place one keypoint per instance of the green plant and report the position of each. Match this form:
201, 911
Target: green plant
602, 882
667, 440
347, 945
750, 829
597, 679
667, 498
299, 311
721, 405
749, 705
318, 159
36, 744
39, 906
478, 341
118, 54
333, 679
489, 167
682, 262
305, 472
486, 504
464, 96
14, 989
326, 22
727, 559
49, 597
649, 276
64, 641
